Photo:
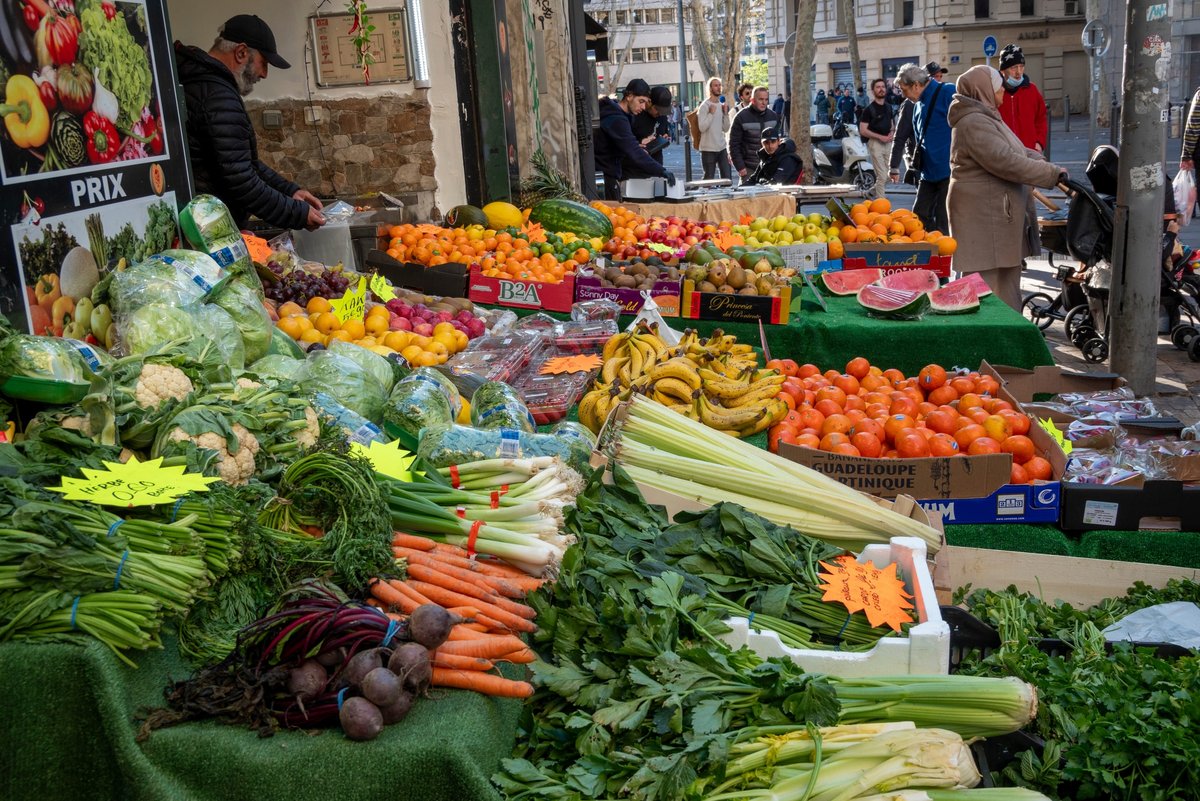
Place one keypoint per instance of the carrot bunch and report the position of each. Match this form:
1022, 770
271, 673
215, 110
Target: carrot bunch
482, 591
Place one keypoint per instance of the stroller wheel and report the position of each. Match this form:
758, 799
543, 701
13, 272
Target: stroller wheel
1183, 335
1083, 333
1194, 349
1095, 350
1037, 308
1077, 316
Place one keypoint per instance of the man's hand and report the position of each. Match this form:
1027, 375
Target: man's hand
670, 176
894, 175
310, 199
1186, 164
742, 172
315, 219
1038, 147
648, 140
887, 140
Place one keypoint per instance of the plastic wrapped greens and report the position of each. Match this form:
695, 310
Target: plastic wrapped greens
445, 384
170, 278
246, 309
497, 405
373, 363
218, 326
208, 226
417, 403
275, 365
442, 447
346, 382
569, 429
147, 327
51, 358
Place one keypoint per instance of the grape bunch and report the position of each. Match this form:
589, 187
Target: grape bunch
299, 286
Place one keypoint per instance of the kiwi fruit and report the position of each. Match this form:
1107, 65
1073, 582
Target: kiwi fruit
626, 282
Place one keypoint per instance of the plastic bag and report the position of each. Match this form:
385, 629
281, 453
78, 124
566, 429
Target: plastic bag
280, 367
170, 278
442, 447
416, 404
651, 316
219, 327
51, 358
1185, 195
569, 429
373, 363
248, 314
590, 310
208, 226
497, 405
339, 212
346, 382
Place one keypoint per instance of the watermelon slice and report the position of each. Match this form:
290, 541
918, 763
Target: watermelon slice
893, 304
976, 280
912, 280
958, 297
848, 282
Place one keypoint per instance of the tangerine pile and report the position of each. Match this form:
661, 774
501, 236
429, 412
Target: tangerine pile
317, 323
868, 411
876, 221
525, 255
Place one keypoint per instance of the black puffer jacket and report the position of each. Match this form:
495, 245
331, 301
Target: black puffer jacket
782, 167
223, 149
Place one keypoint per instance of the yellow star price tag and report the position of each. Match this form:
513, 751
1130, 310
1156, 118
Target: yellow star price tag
381, 288
353, 304
133, 484
866, 588
1048, 426
387, 459
660, 248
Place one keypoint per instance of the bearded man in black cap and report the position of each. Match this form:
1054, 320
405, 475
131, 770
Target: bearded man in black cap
221, 143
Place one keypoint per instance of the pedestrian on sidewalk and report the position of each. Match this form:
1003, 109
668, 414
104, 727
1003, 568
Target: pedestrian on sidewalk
745, 132
875, 126
903, 143
1024, 112
714, 125
931, 99
615, 142
1191, 137
821, 104
990, 175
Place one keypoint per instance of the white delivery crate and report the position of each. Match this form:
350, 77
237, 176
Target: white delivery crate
803, 256
925, 650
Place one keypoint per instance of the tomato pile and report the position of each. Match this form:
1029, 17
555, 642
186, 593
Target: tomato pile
868, 411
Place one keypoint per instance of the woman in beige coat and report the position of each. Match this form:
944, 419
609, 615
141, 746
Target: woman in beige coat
990, 174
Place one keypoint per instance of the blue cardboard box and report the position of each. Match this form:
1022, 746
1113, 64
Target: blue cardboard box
1012, 503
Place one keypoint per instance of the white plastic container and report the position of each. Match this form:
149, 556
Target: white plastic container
329, 245
643, 188
926, 649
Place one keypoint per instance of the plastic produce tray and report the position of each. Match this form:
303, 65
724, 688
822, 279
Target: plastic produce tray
925, 649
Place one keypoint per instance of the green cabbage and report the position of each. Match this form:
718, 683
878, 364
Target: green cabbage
170, 278
346, 382
372, 362
278, 366
149, 327
251, 319
218, 326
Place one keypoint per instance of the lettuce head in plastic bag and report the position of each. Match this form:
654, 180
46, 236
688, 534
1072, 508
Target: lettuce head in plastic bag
246, 309
373, 363
347, 382
51, 358
280, 366
170, 278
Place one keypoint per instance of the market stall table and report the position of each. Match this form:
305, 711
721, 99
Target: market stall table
69, 734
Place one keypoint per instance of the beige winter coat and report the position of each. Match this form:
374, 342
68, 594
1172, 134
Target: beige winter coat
714, 124
990, 174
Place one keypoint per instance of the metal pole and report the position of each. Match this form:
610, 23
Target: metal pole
683, 95
1067, 113
1138, 221
1094, 105
1114, 115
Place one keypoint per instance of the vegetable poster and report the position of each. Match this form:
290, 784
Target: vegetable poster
93, 163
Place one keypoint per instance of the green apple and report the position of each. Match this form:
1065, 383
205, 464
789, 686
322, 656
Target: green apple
816, 218
784, 238
811, 228
779, 223
793, 228
767, 236
759, 223
814, 239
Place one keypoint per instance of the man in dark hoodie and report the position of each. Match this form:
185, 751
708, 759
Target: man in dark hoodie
778, 162
745, 133
221, 143
652, 129
616, 141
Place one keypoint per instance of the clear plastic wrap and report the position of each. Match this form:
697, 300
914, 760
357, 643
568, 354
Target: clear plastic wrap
346, 382
219, 327
570, 429
497, 358
246, 309
170, 278
208, 226
442, 447
416, 404
51, 358
280, 366
497, 405
596, 311
373, 363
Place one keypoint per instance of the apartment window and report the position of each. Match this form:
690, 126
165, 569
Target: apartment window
669, 54
622, 17
617, 55
691, 52
983, 9
653, 54
904, 13
1027, 9
650, 16
637, 16
666, 16
638, 55
601, 17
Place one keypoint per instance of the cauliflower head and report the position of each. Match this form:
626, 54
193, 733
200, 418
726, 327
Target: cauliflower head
157, 383
307, 437
234, 466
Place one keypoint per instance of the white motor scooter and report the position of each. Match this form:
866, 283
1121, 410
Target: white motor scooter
841, 156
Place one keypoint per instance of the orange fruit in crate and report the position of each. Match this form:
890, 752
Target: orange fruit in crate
832, 440
942, 444
836, 250
868, 444
858, 367
1038, 469
1020, 446
968, 434
317, 304
982, 445
931, 377
946, 246
326, 322
997, 427
1018, 422
881, 205
896, 423
941, 422
848, 234
1018, 475
290, 326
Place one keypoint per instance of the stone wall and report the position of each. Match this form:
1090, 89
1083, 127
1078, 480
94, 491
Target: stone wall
356, 146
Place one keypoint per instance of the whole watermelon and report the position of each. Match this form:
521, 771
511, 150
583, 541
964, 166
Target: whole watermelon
560, 215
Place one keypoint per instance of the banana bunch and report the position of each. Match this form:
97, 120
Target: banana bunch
715, 381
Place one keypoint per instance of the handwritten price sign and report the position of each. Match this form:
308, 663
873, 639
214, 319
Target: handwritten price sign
133, 484
353, 304
381, 288
390, 460
865, 588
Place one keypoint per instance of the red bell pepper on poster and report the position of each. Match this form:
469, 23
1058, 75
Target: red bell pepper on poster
103, 141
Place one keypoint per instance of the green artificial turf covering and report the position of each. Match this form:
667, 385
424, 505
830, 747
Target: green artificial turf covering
68, 735
1180, 548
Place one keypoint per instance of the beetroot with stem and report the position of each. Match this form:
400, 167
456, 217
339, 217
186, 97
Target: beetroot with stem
360, 719
381, 687
410, 662
307, 681
359, 666
397, 711
430, 625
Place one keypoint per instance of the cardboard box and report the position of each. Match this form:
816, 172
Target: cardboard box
963, 489
521, 294
666, 294
895, 257
940, 266
738, 308
1024, 387
445, 280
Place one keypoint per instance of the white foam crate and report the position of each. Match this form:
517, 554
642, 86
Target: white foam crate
924, 651
803, 256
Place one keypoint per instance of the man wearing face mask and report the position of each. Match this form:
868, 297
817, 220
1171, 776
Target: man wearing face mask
222, 146
1024, 108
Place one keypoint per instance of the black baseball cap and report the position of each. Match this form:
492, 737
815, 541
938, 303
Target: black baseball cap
250, 30
638, 88
770, 135
935, 69
660, 98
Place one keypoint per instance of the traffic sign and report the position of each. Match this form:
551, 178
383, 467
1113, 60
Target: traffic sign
1095, 38
990, 46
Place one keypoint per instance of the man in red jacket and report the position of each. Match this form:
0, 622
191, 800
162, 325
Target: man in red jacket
1024, 108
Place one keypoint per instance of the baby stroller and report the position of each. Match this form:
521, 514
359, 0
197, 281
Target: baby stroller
1089, 239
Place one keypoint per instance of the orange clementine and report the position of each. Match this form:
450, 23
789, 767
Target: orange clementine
1018, 422
858, 367
848, 234
943, 395
982, 445
911, 445
941, 422
833, 439
1038, 469
997, 427
868, 444
1018, 475
942, 444
1020, 446
881, 205
931, 377
836, 251
317, 304
968, 434
897, 423
836, 423
808, 441
946, 246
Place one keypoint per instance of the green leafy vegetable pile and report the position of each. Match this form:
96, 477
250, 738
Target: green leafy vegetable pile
120, 63
1116, 725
